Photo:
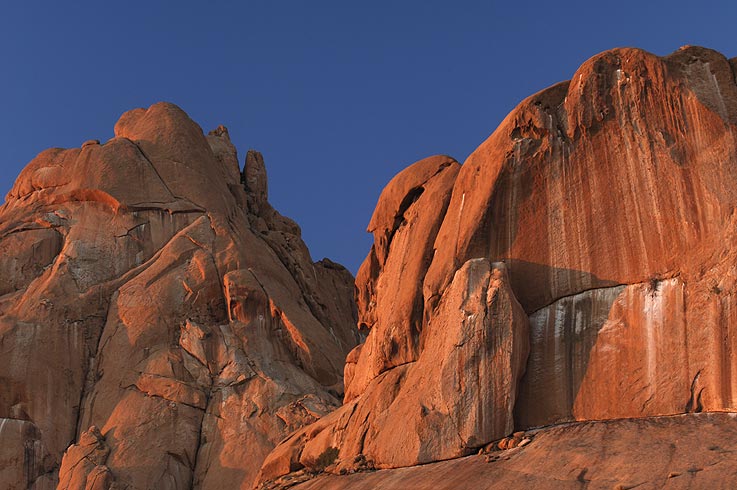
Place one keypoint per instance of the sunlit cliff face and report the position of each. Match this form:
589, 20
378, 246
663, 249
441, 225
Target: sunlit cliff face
609, 201
162, 326
158, 315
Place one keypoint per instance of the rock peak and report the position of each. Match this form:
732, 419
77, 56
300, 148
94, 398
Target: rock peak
254, 178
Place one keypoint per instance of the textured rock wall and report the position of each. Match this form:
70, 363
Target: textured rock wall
456, 397
612, 353
622, 174
622, 177
611, 201
148, 289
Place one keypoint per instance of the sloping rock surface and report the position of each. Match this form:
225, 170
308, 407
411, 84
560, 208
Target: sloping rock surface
150, 294
673, 453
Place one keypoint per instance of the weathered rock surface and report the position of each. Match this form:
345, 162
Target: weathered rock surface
24, 461
623, 176
388, 285
456, 397
611, 201
83, 466
643, 327
148, 288
681, 452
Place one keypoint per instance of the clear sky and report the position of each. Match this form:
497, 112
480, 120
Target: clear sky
338, 95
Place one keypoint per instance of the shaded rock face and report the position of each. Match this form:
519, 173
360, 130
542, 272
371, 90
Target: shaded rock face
610, 201
148, 289
24, 459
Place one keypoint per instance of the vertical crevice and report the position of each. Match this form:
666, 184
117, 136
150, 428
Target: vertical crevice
693, 405
91, 365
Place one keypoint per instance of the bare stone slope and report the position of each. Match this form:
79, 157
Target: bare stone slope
640, 454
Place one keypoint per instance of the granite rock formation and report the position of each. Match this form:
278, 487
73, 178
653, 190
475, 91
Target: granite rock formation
579, 266
611, 202
455, 397
161, 325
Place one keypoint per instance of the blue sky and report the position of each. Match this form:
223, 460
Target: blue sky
338, 95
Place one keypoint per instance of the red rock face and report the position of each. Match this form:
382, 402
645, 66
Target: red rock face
149, 289
610, 199
388, 283
146, 290
455, 391
620, 175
